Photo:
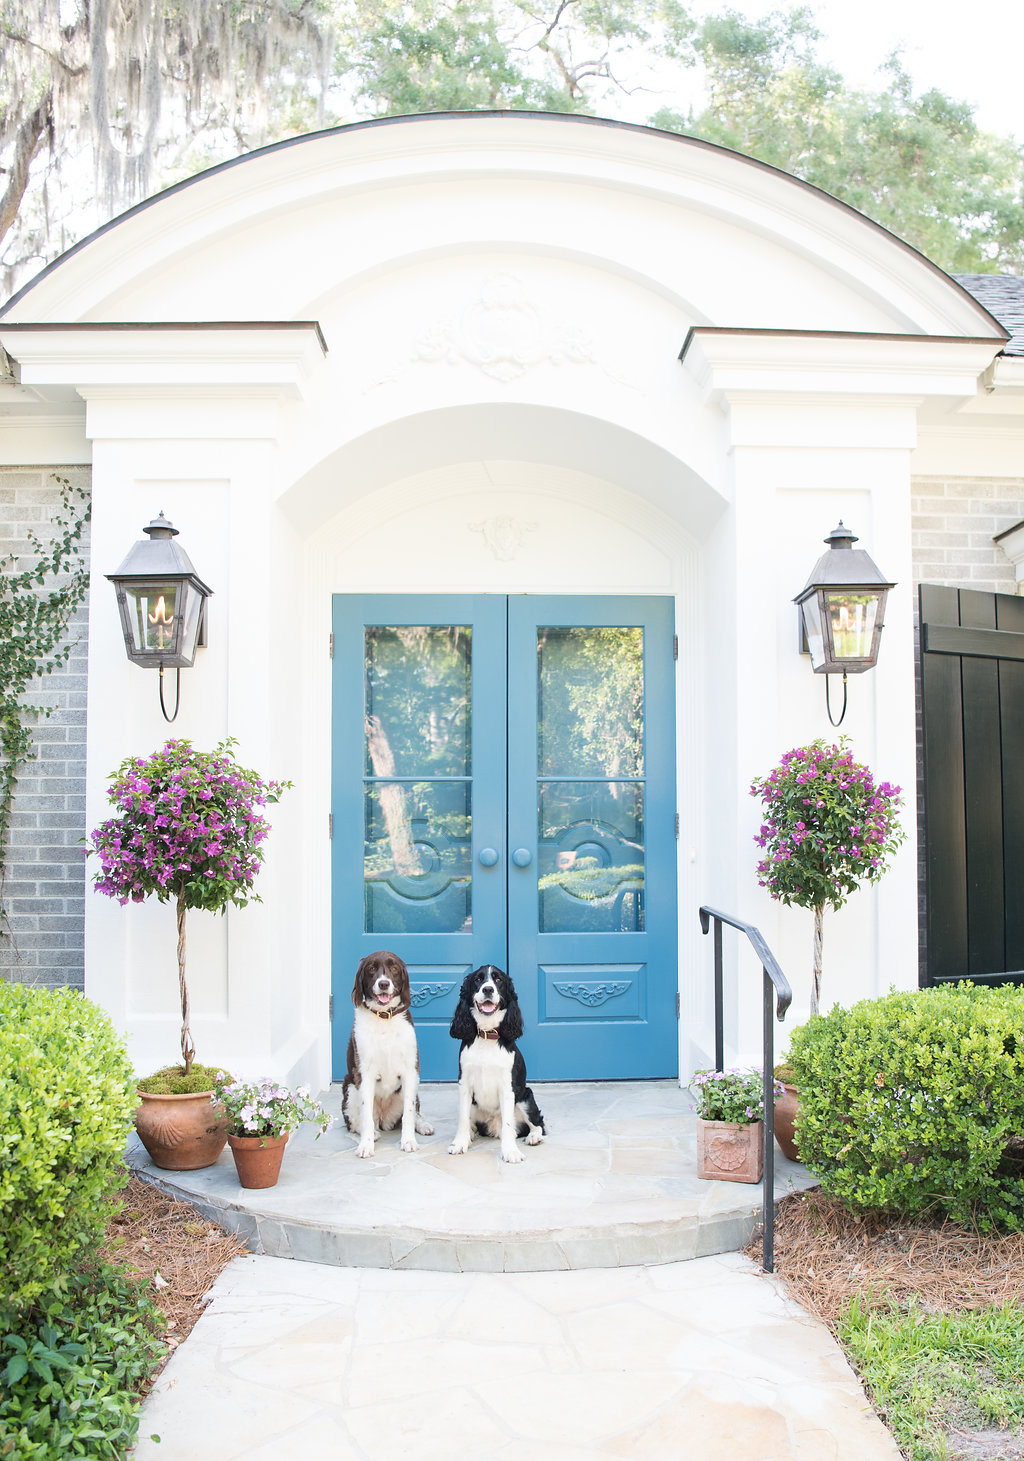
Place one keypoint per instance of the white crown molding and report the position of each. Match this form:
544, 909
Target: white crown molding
729, 364
133, 357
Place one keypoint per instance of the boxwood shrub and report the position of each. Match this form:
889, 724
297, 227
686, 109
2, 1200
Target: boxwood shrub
66, 1102
916, 1101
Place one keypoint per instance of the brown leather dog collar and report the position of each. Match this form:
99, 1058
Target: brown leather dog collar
386, 1014
488, 1034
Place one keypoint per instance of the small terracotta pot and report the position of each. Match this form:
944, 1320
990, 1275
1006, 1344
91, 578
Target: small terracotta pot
257, 1159
786, 1108
729, 1152
181, 1133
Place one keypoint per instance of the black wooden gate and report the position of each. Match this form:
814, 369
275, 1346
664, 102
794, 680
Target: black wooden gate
972, 679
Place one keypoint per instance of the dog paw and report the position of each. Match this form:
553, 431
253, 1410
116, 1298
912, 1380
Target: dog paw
457, 1148
424, 1128
534, 1138
409, 1144
364, 1149
512, 1155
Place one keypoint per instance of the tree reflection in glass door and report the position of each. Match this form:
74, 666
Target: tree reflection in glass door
417, 779
590, 791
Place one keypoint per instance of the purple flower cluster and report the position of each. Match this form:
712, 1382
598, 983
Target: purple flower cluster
264, 1108
827, 826
731, 1095
189, 826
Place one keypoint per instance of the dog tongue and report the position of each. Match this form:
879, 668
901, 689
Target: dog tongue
488, 1009
383, 999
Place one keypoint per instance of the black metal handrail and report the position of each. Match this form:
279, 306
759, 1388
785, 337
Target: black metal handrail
774, 981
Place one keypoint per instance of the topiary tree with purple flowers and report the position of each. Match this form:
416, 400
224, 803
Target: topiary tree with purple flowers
189, 827
827, 828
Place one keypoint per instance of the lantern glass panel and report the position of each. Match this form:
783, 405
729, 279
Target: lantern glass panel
191, 612
851, 623
152, 617
811, 610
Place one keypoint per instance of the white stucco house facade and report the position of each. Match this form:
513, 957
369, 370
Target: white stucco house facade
499, 355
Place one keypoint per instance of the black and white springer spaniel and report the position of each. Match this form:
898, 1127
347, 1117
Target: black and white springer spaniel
494, 1099
383, 1080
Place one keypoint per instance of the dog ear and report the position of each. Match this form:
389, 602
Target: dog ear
357, 988
402, 981
463, 1026
511, 1028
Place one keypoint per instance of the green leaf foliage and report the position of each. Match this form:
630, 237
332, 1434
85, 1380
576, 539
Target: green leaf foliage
66, 1102
72, 1366
918, 165
908, 1103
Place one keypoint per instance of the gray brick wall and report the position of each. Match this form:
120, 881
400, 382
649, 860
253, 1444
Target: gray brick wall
953, 522
43, 895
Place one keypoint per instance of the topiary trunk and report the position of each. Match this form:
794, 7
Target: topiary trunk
819, 925
188, 1050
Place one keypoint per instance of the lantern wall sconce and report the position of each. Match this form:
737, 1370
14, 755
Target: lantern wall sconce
842, 612
162, 602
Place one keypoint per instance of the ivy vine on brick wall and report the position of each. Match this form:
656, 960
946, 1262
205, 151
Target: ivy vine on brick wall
39, 595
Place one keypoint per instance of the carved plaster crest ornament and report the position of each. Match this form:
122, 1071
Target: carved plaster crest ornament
504, 536
501, 332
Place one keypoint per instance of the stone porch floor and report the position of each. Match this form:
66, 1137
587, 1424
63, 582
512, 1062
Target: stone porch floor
615, 1184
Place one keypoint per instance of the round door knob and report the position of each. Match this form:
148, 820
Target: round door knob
488, 856
522, 857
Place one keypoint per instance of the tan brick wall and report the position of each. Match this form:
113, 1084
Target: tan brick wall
953, 522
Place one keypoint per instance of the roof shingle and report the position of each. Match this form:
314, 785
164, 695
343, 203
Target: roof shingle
1003, 296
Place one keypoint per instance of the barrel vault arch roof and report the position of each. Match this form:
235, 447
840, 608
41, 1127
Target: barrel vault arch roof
286, 209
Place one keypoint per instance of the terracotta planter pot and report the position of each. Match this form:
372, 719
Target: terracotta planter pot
786, 1108
258, 1159
729, 1152
181, 1133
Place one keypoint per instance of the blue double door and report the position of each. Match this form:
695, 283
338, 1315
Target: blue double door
503, 792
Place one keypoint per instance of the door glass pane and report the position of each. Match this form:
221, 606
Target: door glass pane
591, 856
418, 700
417, 858
590, 701
418, 797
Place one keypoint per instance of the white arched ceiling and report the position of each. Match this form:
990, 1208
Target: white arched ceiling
276, 234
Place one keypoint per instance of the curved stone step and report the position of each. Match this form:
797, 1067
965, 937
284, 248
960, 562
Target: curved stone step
615, 1183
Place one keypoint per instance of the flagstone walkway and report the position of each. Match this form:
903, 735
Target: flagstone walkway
696, 1361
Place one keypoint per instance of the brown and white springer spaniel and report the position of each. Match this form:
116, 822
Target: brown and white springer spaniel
382, 1084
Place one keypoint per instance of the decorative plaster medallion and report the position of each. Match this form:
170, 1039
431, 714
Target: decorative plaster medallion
501, 333
504, 536
424, 993
592, 994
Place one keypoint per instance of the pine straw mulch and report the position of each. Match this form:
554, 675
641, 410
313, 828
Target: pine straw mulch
169, 1243
827, 1256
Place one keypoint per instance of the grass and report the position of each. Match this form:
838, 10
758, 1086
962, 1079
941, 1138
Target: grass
947, 1385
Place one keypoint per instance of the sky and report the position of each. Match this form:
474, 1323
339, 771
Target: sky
972, 56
